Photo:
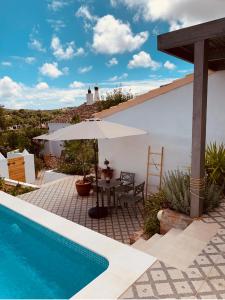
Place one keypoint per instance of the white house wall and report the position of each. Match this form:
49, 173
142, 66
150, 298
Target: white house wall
54, 147
168, 121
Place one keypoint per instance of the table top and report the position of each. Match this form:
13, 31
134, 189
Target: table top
113, 183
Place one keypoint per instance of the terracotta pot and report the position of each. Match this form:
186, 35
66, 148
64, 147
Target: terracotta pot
107, 173
83, 188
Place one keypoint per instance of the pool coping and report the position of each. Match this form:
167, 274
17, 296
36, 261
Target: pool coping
126, 264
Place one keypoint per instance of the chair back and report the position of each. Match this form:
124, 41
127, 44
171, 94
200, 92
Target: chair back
127, 177
139, 189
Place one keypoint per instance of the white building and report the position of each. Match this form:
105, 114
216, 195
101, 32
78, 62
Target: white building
90, 98
166, 114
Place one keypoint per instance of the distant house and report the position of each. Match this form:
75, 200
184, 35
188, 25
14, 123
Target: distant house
83, 112
166, 114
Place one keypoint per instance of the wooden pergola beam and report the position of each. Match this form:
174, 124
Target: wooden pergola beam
191, 35
216, 54
199, 127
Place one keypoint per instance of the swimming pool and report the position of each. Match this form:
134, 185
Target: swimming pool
113, 266
38, 263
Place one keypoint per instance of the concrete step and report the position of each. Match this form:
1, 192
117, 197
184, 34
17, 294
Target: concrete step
143, 245
162, 244
179, 249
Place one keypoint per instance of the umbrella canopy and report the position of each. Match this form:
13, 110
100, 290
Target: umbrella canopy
92, 129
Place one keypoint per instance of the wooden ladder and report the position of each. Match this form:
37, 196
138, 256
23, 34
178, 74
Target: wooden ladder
157, 172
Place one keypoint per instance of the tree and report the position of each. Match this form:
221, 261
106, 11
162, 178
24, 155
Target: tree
2, 118
114, 98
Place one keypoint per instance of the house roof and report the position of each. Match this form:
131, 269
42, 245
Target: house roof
145, 97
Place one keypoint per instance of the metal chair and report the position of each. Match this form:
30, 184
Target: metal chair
132, 198
127, 182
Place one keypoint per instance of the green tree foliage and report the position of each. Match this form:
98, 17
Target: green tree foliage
75, 119
78, 157
114, 98
3, 123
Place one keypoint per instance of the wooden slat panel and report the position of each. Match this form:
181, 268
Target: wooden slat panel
16, 169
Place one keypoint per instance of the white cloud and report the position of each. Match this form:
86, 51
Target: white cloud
18, 95
117, 78
9, 88
84, 12
112, 36
112, 62
80, 51
6, 64
51, 70
177, 13
143, 60
88, 18
56, 5
56, 25
169, 65
61, 52
83, 70
30, 59
76, 85
42, 86
35, 44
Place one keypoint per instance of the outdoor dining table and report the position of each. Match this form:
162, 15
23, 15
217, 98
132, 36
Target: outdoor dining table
108, 187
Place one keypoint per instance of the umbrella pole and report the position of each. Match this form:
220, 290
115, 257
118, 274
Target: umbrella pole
97, 212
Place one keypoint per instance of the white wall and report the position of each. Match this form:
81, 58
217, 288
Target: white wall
168, 121
4, 170
54, 147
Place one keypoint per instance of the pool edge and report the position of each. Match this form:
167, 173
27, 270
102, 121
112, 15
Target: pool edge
126, 264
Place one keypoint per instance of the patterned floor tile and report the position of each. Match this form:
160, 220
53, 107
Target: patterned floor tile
61, 198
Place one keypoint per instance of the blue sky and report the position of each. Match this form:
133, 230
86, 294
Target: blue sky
52, 50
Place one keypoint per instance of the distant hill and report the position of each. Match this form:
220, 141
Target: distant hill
81, 112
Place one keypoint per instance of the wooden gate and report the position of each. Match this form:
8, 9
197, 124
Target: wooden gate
16, 168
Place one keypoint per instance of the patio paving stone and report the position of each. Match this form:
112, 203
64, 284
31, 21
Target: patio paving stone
61, 198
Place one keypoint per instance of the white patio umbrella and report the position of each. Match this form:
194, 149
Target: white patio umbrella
93, 129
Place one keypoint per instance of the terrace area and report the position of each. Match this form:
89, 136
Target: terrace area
60, 197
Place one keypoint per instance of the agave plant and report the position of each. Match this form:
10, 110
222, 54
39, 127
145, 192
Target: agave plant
176, 187
215, 163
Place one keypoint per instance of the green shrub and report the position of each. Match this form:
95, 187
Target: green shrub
78, 158
215, 163
153, 204
114, 98
213, 196
176, 187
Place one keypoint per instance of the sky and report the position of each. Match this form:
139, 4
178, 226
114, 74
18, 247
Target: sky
51, 51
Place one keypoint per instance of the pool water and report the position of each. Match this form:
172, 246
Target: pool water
38, 263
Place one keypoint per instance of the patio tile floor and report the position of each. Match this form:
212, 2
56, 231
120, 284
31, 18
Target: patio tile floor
204, 279
61, 198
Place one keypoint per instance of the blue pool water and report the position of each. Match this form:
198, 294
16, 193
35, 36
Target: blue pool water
38, 263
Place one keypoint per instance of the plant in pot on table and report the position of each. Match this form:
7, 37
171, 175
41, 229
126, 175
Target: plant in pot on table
107, 172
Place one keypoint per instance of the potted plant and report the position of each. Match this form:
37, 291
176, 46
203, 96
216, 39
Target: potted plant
81, 154
107, 171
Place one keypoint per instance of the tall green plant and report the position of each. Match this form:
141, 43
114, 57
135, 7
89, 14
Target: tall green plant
79, 157
176, 187
215, 163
